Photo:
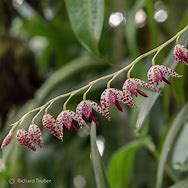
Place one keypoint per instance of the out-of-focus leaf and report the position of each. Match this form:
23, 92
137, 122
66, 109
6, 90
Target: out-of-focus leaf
179, 121
166, 99
181, 184
100, 177
86, 18
149, 102
121, 164
130, 28
151, 22
180, 153
179, 86
62, 74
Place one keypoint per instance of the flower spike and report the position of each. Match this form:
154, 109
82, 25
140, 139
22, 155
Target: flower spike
7, 139
50, 124
158, 73
85, 107
109, 97
181, 54
66, 118
24, 139
36, 135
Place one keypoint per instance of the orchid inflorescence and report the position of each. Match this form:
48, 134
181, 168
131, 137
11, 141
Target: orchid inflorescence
110, 96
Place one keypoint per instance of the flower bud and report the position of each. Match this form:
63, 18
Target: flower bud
7, 139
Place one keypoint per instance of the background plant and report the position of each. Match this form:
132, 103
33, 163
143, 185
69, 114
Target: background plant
137, 161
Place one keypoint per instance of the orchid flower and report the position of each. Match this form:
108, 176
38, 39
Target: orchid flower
65, 118
86, 107
158, 73
54, 128
36, 135
109, 97
181, 54
24, 138
131, 87
31, 137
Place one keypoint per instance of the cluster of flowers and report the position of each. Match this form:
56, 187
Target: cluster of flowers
110, 96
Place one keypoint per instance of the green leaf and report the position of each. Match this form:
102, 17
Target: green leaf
86, 18
181, 184
121, 164
100, 177
149, 102
179, 121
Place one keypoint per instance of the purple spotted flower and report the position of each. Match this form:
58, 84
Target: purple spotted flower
66, 117
131, 87
36, 135
86, 108
54, 128
158, 73
24, 138
31, 137
181, 54
109, 97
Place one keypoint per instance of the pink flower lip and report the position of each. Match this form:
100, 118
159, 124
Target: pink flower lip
116, 102
113, 98
94, 118
160, 77
142, 93
165, 80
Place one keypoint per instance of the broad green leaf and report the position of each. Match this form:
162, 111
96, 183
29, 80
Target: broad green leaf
149, 102
121, 164
179, 121
86, 18
181, 184
100, 177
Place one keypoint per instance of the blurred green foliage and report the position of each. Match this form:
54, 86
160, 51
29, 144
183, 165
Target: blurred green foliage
70, 43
